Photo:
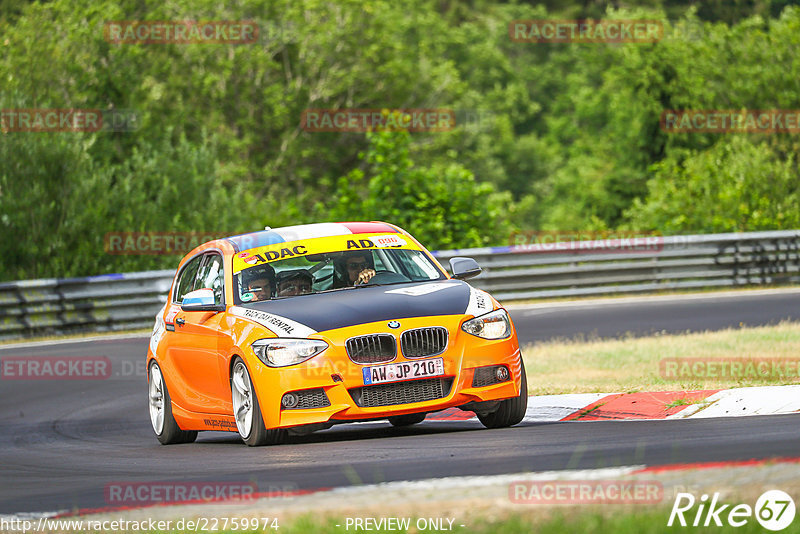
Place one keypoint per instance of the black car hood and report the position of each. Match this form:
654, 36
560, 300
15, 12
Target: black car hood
347, 307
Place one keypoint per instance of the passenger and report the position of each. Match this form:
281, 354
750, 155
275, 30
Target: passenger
294, 282
259, 282
353, 268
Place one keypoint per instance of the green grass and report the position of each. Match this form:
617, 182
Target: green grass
682, 402
632, 364
645, 294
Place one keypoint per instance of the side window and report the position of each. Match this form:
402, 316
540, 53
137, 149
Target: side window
210, 276
186, 280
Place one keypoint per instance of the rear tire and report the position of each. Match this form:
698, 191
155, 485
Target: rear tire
164, 425
511, 411
247, 412
407, 420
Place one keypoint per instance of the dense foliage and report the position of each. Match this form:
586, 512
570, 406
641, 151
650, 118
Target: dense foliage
550, 136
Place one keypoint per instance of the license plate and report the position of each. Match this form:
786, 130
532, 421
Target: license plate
394, 372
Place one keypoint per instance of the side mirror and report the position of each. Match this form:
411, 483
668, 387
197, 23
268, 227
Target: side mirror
201, 300
464, 268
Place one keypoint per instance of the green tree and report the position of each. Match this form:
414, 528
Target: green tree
442, 205
549, 136
735, 186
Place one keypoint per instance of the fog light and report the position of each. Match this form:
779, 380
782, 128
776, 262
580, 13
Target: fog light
289, 400
501, 373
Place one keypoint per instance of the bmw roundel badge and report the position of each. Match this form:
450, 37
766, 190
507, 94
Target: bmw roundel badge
394, 324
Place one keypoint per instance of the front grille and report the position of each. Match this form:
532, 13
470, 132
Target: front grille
374, 348
485, 376
404, 392
310, 398
422, 342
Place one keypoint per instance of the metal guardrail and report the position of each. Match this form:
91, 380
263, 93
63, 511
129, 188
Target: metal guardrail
628, 266
103, 303
128, 301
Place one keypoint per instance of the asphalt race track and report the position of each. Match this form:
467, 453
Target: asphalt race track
63, 441
671, 315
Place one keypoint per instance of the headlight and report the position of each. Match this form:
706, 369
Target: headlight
282, 352
492, 325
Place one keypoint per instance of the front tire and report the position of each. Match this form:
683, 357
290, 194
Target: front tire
247, 412
511, 411
408, 419
164, 425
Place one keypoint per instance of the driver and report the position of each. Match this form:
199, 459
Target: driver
352, 268
294, 282
259, 282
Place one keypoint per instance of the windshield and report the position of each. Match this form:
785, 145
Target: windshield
333, 271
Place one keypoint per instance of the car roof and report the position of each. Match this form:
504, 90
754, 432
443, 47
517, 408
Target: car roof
307, 231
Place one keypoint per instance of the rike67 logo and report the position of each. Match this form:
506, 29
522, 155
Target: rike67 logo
774, 510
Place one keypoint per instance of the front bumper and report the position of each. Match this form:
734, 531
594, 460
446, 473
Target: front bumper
342, 381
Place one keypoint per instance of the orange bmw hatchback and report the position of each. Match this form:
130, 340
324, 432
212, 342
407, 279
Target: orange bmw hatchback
294, 329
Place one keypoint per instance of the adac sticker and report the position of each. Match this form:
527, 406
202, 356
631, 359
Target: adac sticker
271, 255
319, 245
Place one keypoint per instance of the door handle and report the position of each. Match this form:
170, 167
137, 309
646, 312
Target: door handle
180, 321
